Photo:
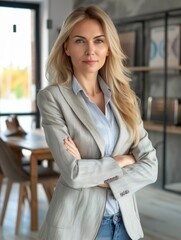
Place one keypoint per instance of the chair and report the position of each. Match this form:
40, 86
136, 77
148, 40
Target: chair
16, 173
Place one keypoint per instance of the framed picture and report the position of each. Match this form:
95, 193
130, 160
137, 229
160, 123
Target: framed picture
157, 46
128, 41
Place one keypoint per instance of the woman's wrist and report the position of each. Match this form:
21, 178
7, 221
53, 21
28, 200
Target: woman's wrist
124, 160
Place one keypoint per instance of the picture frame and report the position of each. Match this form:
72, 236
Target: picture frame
157, 46
128, 43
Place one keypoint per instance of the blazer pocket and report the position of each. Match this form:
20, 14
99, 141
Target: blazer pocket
63, 207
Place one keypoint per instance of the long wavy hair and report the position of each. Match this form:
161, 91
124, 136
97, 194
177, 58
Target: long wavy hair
59, 68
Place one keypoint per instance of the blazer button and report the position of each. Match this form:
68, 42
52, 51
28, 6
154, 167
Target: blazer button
124, 193
109, 180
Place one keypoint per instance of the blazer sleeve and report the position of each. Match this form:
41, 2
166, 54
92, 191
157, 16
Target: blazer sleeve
140, 174
76, 173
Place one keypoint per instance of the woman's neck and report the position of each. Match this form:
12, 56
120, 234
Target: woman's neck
90, 84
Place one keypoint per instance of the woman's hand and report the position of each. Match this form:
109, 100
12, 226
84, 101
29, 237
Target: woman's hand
124, 160
71, 148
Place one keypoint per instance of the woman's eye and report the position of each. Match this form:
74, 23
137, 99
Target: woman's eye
79, 41
99, 41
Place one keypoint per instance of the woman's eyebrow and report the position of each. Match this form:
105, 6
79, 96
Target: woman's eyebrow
100, 36
78, 36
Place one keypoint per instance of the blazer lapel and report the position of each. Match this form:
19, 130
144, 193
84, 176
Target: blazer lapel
123, 132
78, 105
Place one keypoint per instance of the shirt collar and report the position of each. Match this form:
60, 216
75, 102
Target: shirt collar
76, 86
104, 87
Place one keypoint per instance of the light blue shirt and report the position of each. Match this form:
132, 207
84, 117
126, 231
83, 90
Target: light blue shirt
107, 126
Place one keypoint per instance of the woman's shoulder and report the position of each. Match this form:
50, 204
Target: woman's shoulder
51, 87
54, 88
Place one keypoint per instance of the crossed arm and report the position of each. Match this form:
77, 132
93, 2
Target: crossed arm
122, 160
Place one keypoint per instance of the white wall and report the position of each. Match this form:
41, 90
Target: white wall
56, 10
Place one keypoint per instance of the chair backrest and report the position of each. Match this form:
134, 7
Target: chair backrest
9, 164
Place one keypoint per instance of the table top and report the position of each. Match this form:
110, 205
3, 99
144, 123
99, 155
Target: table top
34, 140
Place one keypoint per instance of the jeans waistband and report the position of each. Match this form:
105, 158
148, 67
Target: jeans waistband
113, 218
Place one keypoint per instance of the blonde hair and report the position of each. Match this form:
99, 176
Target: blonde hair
59, 67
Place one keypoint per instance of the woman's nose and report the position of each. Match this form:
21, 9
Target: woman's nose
89, 49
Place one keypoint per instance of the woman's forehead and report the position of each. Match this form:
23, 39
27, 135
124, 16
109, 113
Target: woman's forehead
86, 26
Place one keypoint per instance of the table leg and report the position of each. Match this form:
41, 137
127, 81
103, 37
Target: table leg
19, 154
34, 180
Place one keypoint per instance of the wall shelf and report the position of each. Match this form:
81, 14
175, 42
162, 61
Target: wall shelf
158, 127
145, 80
152, 69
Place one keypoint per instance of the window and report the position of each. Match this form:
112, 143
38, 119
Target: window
19, 63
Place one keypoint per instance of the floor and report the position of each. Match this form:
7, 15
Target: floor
160, 213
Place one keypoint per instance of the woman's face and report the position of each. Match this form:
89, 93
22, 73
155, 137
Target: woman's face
87, 47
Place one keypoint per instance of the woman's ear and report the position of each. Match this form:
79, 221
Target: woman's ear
66, 48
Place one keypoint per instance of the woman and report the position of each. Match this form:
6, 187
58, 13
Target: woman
93, 127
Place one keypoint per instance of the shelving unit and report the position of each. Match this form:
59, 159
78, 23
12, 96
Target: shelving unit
151, 69
150, 126
142, 25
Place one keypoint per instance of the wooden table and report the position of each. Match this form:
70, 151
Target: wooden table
36, 144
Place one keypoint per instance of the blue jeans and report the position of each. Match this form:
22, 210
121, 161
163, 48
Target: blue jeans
112, 228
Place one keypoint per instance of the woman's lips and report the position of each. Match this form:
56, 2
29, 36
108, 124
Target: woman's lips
90, 61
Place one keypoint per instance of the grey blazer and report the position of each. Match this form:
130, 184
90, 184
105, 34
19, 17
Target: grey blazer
78, 205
